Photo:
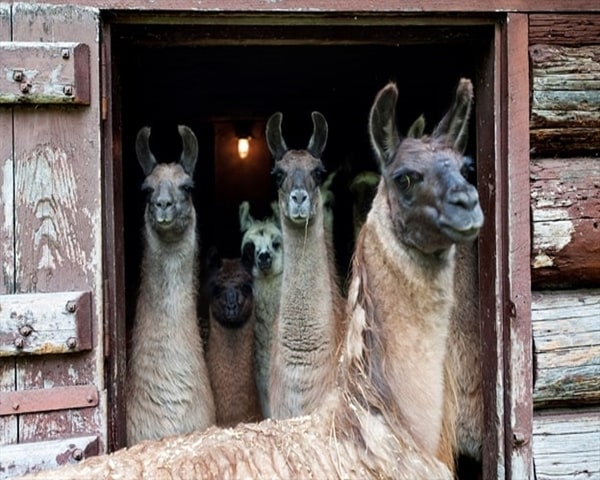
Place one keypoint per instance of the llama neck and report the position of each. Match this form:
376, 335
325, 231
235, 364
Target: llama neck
169, 276
400, 305
307, 275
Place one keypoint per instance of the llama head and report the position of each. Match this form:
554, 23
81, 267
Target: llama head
432, 204
168, 186
231, 298
298, 173
265, 236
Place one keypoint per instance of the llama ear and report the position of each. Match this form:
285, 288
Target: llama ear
213, 260
455, 124
318, 139
276, 212
142, 150
417, 129
248, 256
382, 123
275, 140
245, 218
189, 154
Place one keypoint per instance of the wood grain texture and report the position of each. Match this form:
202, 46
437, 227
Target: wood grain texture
315, 6
58, 216
45, 323
8, 424
565, 100
565, 205
573, 29
566, 446
566, 328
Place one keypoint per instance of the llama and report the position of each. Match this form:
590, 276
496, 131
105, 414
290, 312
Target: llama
168, 391
463, 402
381, 420
265, 235
309, 324
230, 348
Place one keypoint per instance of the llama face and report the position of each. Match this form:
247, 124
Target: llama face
168, 186
268, 248
432, 203
169, 206
230, 289
298, 173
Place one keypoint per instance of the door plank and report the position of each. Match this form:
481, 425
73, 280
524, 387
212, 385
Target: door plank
58, 216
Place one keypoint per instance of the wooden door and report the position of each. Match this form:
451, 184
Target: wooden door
51, 338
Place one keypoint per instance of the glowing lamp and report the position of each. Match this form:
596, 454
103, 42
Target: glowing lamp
243, 147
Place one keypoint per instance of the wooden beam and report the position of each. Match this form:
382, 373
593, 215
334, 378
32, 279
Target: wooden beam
566, 329
565, 100
48, 399
45, 323
567, 445
18, 459
573, 29
565, 205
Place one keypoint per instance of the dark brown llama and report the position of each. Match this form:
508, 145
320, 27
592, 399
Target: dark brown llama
230, 347
308, 329
168, 391
383, 419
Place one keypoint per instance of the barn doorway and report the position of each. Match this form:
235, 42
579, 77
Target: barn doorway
221, 74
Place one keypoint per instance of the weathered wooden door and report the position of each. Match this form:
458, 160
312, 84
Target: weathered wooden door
52, 393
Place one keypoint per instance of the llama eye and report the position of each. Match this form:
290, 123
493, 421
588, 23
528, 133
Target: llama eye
187, 187
319, 175
276, 245
407, 179
468, 169
279, 176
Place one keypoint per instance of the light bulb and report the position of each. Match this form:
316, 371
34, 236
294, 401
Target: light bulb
243, 147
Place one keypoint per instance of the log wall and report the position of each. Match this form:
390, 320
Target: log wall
565, 251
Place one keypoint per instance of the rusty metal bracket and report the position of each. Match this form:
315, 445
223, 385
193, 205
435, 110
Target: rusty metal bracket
44, 73
48, 399
45, 323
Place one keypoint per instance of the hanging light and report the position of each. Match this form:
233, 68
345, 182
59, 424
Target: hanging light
243, 132
243, 147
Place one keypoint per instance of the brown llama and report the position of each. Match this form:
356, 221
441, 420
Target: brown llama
230, 347
168, 391
267, 270
309, 324
463, 402
382, 419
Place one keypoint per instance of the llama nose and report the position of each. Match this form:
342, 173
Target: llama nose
264, 260
163, 199
299, 196
464, 196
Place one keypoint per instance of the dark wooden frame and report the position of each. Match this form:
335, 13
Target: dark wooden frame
503, 159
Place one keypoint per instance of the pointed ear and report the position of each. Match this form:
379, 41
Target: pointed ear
275, 140
246, 219
213, 260
318, 139
248, 257
455, 124
142, 150
417, 129
189, 154
276, 212
382, 124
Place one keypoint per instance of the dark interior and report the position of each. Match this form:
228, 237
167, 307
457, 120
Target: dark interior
207, 77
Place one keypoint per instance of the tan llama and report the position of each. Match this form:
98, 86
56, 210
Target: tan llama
168, 391
383, 419
230, 347
265, 236
308, 328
